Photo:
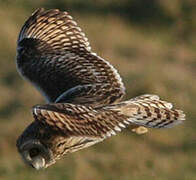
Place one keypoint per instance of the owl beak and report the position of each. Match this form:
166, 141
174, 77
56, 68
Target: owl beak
38, 163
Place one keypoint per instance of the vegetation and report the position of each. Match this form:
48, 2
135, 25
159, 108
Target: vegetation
152, 44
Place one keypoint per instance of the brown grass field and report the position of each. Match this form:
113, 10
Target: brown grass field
152, 57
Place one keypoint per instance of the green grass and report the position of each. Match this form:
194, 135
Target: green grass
150, 60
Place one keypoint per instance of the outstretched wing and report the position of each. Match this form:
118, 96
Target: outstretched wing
82, 126
73, 120
55, 55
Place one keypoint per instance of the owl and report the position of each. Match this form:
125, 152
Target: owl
83, 92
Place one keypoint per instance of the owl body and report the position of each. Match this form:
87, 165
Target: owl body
83, 91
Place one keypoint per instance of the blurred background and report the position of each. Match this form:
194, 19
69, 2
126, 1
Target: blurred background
152, 43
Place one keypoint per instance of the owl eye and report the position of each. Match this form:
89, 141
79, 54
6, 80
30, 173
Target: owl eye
34, 152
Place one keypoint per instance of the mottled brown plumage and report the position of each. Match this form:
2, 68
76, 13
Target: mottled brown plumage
83, 90
55, 55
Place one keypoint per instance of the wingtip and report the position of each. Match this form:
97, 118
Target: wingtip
180, 119
37, 11
182, 115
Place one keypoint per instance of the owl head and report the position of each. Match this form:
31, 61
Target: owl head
36, 145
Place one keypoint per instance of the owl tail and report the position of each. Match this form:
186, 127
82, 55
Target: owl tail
149, 111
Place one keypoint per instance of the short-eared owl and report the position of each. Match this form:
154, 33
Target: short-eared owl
83, 91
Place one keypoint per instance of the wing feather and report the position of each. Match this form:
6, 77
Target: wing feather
56, 28
79, 120
55, 55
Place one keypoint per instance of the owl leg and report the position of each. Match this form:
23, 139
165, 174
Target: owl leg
90, 94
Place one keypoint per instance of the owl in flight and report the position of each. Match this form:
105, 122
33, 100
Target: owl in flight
83, 92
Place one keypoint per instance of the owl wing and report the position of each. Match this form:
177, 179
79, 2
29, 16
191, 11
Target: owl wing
102, 122
84, 126
56, 28
79, 120
64, 67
